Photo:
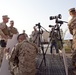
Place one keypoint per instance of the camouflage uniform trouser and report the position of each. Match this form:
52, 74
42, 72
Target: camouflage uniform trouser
74, 58
17, 72
1, 56
28, 73
13, 69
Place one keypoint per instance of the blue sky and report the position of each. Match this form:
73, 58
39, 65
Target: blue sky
27, 13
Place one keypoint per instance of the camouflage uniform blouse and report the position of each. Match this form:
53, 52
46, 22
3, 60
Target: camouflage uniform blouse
13, 30
72, 29
26, 53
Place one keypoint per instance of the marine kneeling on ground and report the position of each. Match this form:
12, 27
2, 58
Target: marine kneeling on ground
23, 57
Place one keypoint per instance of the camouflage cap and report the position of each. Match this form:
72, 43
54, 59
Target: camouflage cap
72, 9
12, 21
5, 16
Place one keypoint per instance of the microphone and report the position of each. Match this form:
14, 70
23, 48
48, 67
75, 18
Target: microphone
51, 26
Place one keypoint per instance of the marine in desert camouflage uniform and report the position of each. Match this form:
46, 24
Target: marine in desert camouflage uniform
12, 29
4, 33
72, 29
25, 52
35, 36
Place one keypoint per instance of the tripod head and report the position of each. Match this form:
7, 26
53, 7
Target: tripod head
39, 27
55, 27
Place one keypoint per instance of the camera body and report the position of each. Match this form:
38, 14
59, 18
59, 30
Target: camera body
3, 43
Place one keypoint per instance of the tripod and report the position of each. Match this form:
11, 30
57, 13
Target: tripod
40, 45
57, 28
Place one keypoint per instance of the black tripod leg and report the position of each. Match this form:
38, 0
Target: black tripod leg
43, 59
44, 53
40, 63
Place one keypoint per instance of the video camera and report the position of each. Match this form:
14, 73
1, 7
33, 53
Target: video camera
57, 21
3, 43
38, 25
55, 17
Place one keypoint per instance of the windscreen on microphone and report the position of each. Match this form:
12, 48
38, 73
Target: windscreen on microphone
51, 26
